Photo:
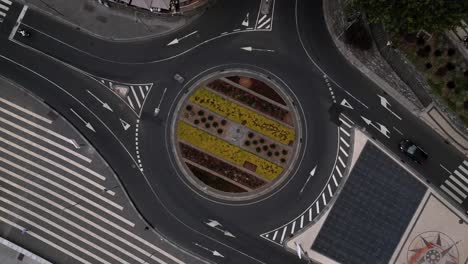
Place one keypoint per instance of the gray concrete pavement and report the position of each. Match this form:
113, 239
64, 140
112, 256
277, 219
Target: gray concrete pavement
11, 253
117, 23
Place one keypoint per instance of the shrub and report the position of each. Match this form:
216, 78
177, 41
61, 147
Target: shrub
196, 121
422, 53
265, 147
437, 53
276, 153
201, 113
420, 41
188, 107
427, 48
269, 154
428, 65
465, 73
451, 85
358, 36
250, 135
210, 118
258, 149
451, 52
465, 105
207, 125
410, 37
255, 142
262, 140
450, 66
215, 124
220, 131
247, 143
203, 120
441, 71
223, 122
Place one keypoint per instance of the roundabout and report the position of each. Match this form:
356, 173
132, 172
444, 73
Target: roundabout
236, 134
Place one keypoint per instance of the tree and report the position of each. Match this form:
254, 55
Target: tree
400, 16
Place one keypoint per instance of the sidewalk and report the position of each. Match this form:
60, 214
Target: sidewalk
13, 254
116, 23
397, 77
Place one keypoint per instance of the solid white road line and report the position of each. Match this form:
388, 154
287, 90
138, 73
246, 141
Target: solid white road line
64, 230
343, 151
26, 111
45, 179
33, 124
47, 160
46, 241
345, 132
463, 169
130, 102
78, 216
33, 134
135, 96
459, 183
443, 167
344, 122
53, 153
47, 190
344, 142
53, 234
339, 172
283, 234
455, 188
141, 92
341, 161
455, 197
275, 234
323, 198
264, 23
334, 180
293, 227
18, 22
34, 164
461, 176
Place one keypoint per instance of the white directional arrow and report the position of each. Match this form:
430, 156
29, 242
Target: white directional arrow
381, 128
346, 104
250, 49
214, 252
124, 124
311, 174
177, 40
87, 124
105, 105
245, 23
384, 102
216, 225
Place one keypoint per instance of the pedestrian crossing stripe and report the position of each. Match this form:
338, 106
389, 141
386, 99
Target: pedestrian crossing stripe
456, 185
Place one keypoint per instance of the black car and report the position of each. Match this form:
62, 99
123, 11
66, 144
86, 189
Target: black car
413, 151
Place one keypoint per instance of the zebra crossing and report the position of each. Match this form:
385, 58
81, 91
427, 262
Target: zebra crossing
58, 192
278, 235
4, 8
456, 185
134, 95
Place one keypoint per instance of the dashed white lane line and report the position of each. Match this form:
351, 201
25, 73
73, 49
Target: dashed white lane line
45, 179
339, 172
317, 207
53, 153
53, 143
61, 228
302, 222
293, 227
77, 226
324, 199
329, 190
53, 133
53, 234
46, 241
26, 111
310, 214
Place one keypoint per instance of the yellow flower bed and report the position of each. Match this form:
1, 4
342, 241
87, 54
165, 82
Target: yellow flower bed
240, 114
226, 151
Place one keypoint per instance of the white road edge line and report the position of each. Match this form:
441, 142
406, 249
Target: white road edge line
18, 22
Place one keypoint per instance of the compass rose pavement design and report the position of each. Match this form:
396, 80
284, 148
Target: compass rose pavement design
433, 248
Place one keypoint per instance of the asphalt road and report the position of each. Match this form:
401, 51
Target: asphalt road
60, 64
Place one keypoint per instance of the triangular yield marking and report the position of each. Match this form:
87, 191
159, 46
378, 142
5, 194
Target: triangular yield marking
124, 124
346, 104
